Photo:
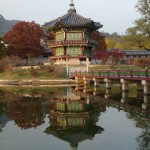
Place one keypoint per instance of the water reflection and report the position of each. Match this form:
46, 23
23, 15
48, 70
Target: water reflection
144, 138
74, 114
27, 112
73, 119
26, 107
136, 107
3, 118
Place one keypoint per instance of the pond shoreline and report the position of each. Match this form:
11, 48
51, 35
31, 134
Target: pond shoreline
37, 82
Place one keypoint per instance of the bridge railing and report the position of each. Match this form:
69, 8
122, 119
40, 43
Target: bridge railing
114, 73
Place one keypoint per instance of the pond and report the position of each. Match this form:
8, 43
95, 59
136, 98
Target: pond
64, 118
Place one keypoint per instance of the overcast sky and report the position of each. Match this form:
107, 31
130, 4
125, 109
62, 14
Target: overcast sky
115, 15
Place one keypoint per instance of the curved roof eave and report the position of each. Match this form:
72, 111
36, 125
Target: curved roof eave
72, 20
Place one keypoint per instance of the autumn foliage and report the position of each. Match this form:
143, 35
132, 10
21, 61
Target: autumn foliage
24, 40
142, 63
105, 55
100, 39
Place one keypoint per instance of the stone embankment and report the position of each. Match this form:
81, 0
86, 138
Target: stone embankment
36, 82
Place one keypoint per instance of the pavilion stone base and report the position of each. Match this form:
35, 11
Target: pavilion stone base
74, 61
71, 61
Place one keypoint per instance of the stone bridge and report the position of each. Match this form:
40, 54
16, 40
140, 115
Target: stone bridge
110, 77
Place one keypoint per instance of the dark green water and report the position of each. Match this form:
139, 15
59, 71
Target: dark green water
65, 119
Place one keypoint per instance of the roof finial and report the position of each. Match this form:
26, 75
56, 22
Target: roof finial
71, 8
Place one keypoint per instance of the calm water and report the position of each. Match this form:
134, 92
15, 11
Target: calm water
65, 119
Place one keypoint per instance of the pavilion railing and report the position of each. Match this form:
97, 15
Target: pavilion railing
113, 73
71, 42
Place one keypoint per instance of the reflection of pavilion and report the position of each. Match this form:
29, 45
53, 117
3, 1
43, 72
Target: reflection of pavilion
74, 121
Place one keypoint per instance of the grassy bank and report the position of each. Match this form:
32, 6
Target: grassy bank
45, 72
52, 72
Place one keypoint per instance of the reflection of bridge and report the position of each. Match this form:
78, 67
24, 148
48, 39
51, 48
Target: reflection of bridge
120, 105
124, 77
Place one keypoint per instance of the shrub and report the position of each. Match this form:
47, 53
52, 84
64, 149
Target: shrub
60, 70
48, 68
7, 63
33, 72
142, 63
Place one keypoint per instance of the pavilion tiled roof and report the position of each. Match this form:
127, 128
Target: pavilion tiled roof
73, 135
136, 52
72, 20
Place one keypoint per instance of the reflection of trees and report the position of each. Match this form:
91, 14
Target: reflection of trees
144, 138
28, 112
28, 106
3, 105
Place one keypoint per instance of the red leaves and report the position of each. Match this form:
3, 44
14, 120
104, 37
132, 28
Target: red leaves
117, 53
100, 39
24, 39
103, 55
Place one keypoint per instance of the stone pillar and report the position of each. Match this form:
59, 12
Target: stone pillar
79, 80
95, 92
109, 83
86, 81
146, 104
146, 87
108, 93
124, 83
124, 98
96, 82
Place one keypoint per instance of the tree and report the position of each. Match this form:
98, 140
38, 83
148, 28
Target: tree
139, 35
109, 43
100, 39
113, 55
24, 40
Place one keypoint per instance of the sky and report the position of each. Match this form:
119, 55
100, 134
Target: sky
115, 15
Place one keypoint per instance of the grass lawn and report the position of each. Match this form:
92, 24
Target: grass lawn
36, 73
58, 72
